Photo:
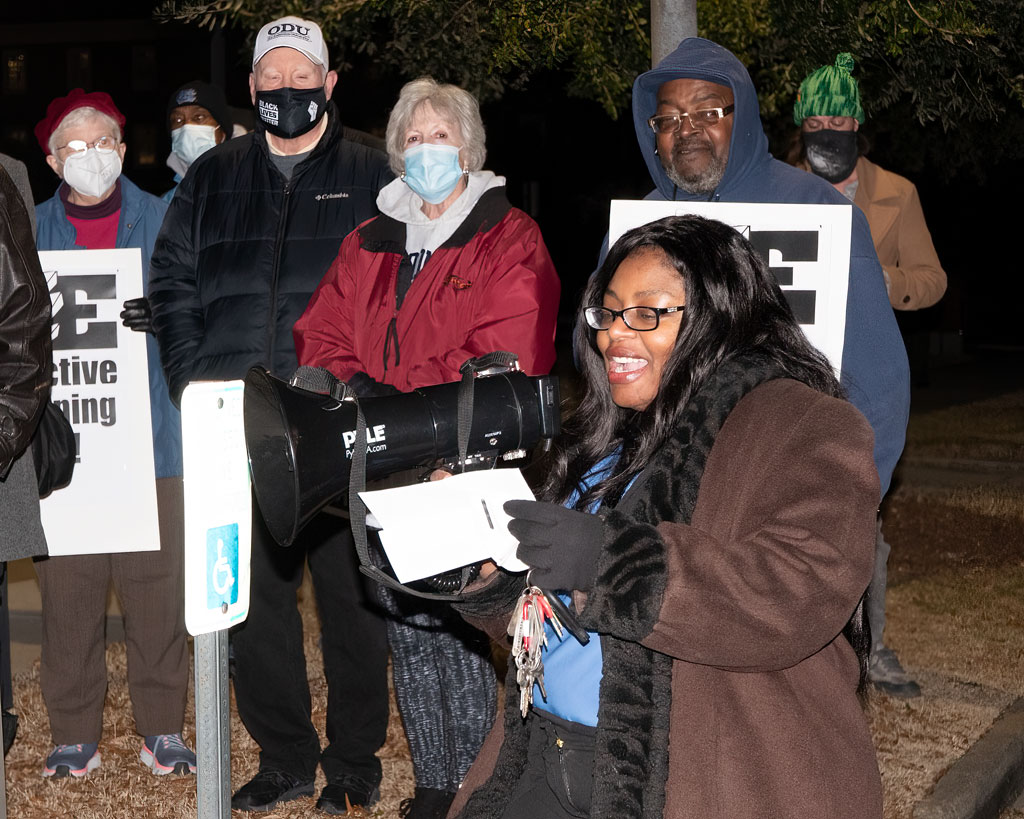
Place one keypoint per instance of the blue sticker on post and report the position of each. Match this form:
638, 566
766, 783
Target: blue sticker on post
221, 566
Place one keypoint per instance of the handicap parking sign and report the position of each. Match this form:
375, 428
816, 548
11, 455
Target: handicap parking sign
221, 566
218, 506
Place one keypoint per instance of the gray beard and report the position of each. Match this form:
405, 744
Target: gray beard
704, 182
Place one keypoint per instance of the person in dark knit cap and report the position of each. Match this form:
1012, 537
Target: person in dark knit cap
198, 118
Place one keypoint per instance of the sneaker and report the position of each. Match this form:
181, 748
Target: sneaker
268, 788
888, 676
72, 760
427, 803
343, 793
167, 753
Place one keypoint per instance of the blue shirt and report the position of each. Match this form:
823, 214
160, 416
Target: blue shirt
572, 672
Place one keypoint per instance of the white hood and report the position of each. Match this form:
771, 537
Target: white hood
397, 200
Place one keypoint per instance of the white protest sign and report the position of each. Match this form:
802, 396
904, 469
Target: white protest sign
101, 382
807, 247
218, 506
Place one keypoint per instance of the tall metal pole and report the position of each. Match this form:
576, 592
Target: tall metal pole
213, 726
672, 21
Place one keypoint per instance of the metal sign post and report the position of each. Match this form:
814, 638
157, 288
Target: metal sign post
218, 532
213, 726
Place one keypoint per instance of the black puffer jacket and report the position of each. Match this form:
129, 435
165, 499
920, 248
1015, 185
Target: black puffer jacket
242, 249
25, 354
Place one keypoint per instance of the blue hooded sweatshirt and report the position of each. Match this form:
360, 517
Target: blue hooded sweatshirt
874, 370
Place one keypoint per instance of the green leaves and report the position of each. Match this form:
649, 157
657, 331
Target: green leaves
952, 68
484, 46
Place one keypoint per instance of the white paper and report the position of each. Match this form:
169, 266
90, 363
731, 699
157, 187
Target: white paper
432, 527
101, 382
815, 275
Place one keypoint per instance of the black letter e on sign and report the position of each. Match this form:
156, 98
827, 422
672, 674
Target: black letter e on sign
793, 246
69, 314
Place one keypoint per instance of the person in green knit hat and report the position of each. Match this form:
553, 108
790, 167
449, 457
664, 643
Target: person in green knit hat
829, 112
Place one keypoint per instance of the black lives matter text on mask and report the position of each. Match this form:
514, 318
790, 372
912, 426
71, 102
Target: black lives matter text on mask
76, 331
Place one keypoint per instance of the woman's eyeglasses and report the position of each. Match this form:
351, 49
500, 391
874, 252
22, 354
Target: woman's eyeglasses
104, 143
641, 319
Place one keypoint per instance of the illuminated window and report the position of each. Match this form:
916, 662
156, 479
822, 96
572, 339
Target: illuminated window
15, 72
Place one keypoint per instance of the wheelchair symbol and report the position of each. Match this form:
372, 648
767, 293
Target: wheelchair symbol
223, 579
221, 566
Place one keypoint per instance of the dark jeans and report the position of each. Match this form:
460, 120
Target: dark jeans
559, 773
271, 689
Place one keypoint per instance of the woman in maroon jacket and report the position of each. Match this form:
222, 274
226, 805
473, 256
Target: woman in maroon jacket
710, 514
449, 271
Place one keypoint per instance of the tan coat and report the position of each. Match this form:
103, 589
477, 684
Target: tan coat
764, 718
902, 241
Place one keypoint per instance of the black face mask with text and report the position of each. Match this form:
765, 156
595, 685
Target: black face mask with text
291, 112
831, 154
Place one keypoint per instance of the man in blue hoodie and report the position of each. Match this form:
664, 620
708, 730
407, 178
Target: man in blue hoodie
698, 124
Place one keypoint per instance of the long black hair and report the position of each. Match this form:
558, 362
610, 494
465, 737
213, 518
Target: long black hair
733, 307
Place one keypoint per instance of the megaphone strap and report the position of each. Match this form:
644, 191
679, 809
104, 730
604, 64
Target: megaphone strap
357, 517
469, 369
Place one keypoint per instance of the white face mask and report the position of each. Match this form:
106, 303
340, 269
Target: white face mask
92, 172
192, 141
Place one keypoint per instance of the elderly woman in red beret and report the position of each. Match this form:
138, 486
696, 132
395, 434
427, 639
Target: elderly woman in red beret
97, 207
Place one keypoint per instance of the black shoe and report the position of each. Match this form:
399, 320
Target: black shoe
268, 788
428, 803
10, 728
358, 792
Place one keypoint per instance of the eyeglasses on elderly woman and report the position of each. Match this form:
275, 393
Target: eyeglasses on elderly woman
641, 319
104, 143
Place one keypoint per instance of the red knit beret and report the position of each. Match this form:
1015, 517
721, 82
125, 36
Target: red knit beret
62, 106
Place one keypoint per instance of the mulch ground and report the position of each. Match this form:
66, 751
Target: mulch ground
956, 618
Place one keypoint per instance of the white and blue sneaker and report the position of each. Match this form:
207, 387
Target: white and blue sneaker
72, 760
166, 753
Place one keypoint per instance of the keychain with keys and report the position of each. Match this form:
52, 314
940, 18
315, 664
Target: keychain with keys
526, 628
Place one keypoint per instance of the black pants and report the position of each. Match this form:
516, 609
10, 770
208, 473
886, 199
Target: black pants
559, 773
271, 689
6, 692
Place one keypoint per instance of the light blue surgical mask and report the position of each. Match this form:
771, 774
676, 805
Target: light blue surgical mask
192, 141
432, 171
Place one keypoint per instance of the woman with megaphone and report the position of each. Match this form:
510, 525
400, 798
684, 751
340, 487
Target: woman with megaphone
449, 271
709, 514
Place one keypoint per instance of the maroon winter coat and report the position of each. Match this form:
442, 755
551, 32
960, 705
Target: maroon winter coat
491, 286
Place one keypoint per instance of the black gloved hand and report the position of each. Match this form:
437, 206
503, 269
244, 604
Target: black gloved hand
137, 315
560, 545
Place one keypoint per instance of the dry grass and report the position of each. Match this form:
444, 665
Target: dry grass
991, 430
122, 788
956, 618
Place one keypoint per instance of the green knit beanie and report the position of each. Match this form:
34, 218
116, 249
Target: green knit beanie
829, 91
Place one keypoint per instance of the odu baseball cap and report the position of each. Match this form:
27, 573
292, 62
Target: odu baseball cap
292, 32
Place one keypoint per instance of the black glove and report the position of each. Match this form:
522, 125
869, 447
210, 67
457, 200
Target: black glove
137, 315
365, 386
560, 545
